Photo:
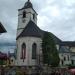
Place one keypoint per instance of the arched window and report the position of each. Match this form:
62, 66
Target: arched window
24, 14
34, 16
23, 51
64, 58
34, 46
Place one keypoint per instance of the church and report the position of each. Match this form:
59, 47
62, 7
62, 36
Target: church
29, 39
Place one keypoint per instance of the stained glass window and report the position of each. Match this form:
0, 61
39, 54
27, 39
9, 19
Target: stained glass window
23, 51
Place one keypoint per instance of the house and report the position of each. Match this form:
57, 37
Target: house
70, 45
65, 56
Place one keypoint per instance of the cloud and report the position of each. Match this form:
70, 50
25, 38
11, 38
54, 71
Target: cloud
56, 16
61, 18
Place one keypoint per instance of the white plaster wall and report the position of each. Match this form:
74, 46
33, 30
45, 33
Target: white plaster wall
73, 57
62, 55
28, 41
72, 49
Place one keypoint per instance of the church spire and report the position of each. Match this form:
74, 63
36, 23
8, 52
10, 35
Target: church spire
28, 4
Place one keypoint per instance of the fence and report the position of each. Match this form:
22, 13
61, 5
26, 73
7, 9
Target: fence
34, 71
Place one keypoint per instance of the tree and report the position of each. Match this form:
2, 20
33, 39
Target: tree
50, 52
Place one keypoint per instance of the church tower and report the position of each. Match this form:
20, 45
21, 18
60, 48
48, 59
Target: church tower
28, 37
26, 14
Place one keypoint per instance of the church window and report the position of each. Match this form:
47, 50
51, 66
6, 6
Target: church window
64, 58
34, 16
23, 51
34, 51
62, 62
72, 62
24, 14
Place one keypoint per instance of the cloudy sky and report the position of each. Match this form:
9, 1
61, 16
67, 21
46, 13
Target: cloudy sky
56, 16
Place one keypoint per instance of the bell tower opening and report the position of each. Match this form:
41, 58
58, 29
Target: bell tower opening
24, 14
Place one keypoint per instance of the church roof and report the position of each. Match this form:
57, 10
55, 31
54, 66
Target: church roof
63, 49
2, 29
28, 4
55, 38
68, 43
32, 30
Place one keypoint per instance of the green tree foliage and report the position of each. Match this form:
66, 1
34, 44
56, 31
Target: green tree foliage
2, 62
50, 53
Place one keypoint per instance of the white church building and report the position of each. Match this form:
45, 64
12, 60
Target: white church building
29, 37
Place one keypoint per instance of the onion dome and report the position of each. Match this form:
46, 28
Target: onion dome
28, 4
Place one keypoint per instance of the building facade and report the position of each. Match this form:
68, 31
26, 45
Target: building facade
28, 36
29, 40
70, 47
65, 56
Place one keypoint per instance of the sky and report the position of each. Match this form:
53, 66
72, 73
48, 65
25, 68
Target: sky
56, 16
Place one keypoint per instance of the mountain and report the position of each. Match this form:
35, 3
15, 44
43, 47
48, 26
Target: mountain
7, 46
